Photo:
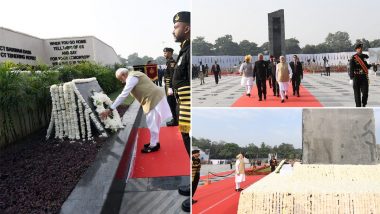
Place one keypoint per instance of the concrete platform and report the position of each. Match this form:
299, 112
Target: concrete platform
330, 91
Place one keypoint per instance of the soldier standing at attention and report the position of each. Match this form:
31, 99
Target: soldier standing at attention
196, 169
168, 75
359, 76
181, 86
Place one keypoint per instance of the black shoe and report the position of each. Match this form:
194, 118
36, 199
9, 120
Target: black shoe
184, 190
282, 101
278, 95
249, 95
298, 95
286, 96
148, 144
194, 201
186, 205
172, 123
294, 93
240, 189
265, 98
237, 190
150, 149
260, 99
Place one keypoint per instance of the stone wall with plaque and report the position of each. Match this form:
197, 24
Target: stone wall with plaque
23, 48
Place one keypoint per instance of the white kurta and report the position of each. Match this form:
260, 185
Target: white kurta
154, 117
245, 80
241, 177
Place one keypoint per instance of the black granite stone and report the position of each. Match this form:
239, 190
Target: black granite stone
101, 188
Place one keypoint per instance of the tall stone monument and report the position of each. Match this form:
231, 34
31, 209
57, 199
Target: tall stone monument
276, 29
339, 136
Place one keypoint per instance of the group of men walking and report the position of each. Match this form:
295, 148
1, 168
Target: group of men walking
274, 72
201, 71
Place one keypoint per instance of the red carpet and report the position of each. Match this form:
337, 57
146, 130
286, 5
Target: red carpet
306, 99
220, 197
171, 160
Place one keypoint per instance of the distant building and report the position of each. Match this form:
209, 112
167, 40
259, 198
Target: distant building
26, 49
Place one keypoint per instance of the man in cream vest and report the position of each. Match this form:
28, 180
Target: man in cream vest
151, 98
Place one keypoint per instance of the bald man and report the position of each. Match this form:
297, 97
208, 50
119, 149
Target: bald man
151, 98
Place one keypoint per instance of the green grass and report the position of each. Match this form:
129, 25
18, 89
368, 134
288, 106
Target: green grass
264, 170
114, 95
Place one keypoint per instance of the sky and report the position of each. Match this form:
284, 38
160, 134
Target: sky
252, 125
306, 20
245, 126
143, 26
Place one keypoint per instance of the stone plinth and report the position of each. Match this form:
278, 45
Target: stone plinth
339, 136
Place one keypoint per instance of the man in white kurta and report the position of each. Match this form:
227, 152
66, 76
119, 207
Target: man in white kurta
283, 77
151, 98
239, 172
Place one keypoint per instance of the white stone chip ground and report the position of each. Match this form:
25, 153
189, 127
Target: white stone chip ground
316, 189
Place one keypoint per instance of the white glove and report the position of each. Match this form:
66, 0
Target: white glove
351, 82
170, 91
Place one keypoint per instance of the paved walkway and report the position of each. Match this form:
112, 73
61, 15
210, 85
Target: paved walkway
330, 91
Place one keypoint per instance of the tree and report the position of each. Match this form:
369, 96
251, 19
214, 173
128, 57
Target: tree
247, 47
292, 46
309, 49
229, 151
225, 46
134, 59
200, 47
264, 150
323, 48
366, 44
265, 47
339, 41
375, 43
251, 151
123, 61
160, 60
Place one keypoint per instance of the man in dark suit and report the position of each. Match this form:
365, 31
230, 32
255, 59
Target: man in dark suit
272, 71
260, 72
215, 69
297, 71
201, 73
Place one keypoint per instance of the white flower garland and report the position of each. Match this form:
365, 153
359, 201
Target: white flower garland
99, 99
71, 116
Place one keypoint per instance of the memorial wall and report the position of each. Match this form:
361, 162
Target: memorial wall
26, 49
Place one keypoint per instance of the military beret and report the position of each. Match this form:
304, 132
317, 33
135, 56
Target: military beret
195, 151
168, 50
359, 45
183, 16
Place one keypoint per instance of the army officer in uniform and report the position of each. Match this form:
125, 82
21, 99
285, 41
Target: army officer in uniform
359, 76
181, 86
168, 75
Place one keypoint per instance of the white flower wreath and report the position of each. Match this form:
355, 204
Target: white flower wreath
114, 123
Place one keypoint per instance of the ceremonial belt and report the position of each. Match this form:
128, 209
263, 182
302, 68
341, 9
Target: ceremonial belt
184, 102
361, 63
167, 85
